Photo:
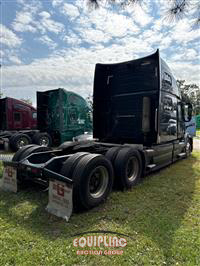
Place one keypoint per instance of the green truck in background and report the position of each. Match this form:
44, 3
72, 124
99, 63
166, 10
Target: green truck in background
62, 115
198, 121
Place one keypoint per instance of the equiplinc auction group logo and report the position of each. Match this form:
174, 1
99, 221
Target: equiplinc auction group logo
103, 244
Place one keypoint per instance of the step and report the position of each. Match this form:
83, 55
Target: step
150, 150
180, 155
151, 166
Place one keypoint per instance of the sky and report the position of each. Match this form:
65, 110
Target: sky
55, 44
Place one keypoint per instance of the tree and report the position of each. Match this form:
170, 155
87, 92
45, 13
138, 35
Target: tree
191, 93
27, 100
177, 8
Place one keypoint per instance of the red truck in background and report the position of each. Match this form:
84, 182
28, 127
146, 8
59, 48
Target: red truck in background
15, 116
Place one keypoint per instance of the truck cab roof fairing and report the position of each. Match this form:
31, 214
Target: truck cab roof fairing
118, 97
119, 90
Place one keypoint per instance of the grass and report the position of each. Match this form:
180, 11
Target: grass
161, 214
198, 133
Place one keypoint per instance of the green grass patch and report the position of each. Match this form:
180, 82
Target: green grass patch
198, 133
161, 214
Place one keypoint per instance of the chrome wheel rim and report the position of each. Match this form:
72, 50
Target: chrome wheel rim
98, 181
22, 142
44, 141
132, 169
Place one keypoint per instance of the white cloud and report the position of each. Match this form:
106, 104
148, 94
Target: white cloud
56, 2
95, 36
48, 41
23, 22
1, 53
183, 32
72, 69
165, 42
27, 20
1, 57
14, 59
8, 37
112, 24
45, 14
161, 24
72, 39
156, 38
48, 24
10, 56
185, 71
139, 14
70, 10
187, 55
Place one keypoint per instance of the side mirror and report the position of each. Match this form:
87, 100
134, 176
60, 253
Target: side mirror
187, 112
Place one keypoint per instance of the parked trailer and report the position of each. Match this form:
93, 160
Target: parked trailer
61, 115
135, 103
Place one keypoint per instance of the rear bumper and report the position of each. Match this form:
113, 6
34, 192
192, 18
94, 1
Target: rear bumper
59, 187
38, 174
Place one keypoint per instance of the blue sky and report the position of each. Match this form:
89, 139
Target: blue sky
51, 44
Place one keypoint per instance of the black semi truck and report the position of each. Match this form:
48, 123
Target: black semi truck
138, 127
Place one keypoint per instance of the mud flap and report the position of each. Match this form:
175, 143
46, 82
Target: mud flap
60, 199
9, 179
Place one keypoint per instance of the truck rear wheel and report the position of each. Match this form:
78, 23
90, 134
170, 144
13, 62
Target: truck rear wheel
42, 139
34, 149
93, 180
18, 155
19, 140
70, 164
25, 152
128, 167
112, 153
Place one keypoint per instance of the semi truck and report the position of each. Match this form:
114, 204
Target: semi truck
17, 120
138, 127
61, 115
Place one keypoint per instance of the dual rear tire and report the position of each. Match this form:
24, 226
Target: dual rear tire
128, 167
19, 140
93, 179
42, 139
93, 174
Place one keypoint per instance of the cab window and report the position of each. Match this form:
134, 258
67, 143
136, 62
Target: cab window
34, 115
167, 78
